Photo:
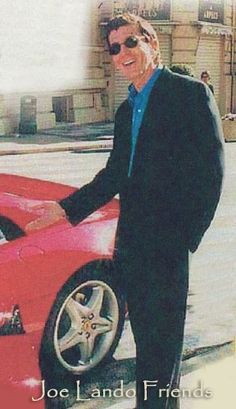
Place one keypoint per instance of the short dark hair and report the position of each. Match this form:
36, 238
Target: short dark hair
183, 69
143, 26
205, 73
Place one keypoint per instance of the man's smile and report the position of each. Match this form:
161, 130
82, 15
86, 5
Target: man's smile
129, 62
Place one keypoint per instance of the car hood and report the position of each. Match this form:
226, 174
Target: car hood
18, 192
31, 188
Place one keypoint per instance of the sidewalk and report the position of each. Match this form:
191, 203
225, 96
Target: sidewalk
62, 138
208, 382
217, 380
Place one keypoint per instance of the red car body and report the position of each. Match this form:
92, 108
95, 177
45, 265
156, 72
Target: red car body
33, 269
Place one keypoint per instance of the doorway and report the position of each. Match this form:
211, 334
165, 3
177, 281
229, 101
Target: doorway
63, 108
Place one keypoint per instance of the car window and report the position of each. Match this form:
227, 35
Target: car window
2, 238
9, 230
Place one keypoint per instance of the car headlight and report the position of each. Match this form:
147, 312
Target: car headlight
10, 322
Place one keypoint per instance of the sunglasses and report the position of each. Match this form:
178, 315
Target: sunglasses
130, 42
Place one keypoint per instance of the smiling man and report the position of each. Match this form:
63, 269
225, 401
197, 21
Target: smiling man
167, 166
133, 53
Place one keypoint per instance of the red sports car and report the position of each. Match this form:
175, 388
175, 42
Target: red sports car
58, 300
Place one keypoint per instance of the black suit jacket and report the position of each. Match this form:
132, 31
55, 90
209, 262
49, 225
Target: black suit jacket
172, 194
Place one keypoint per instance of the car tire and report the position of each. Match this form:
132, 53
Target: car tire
84, 325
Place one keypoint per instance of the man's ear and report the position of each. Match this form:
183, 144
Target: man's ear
154, 43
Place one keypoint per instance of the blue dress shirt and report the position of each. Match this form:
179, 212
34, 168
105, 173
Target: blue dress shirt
138, 101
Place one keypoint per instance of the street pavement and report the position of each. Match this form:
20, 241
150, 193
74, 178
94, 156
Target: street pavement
212, 374
215, 379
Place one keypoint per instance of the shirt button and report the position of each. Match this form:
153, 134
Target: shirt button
139, 110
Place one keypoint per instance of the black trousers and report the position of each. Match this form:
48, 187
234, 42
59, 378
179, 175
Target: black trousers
156, 289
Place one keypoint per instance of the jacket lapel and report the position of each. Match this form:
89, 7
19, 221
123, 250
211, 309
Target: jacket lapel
153, 113
152, 119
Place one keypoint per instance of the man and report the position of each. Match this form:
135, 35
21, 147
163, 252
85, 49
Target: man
206, 78
166, 165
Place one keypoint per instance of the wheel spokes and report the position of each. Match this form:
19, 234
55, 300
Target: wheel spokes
103, 325
70, 339
96, 300
86, 326
76, 311
86, 350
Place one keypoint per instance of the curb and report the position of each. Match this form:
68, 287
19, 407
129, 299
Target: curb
56, 147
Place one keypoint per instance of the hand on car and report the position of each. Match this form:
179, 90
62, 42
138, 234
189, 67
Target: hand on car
48, 212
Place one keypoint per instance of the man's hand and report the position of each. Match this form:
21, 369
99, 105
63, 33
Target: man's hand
49, 213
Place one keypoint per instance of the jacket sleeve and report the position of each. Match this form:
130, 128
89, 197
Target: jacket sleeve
99, 191
206, 166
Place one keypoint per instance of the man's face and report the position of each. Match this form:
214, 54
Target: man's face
205, 78
135, 62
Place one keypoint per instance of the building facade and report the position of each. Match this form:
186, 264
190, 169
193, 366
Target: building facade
200, 33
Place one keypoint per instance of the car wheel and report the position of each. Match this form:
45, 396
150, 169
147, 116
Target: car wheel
85, 323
